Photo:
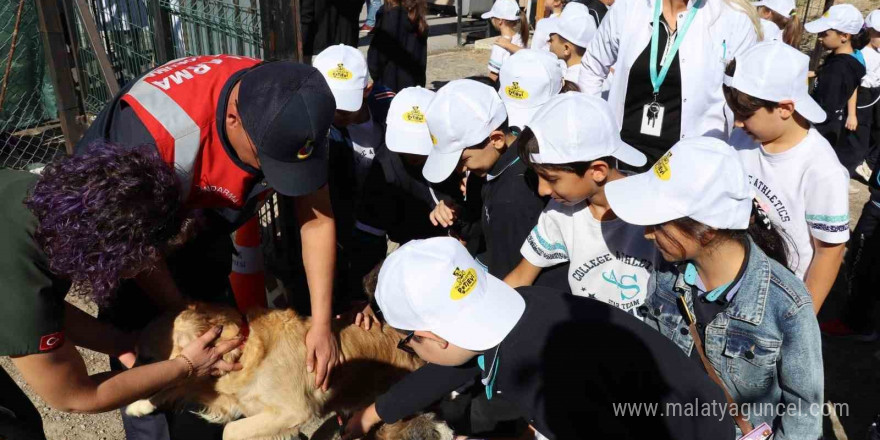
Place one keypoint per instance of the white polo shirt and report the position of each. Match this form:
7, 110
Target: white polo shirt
872, 66
771, 31
718, 34
805, 190
610, 261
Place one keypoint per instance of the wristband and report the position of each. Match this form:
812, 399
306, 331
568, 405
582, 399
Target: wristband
189, 365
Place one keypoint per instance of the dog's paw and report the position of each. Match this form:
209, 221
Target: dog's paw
140, 408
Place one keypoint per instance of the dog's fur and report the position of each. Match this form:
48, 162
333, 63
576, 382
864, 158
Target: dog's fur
273, 391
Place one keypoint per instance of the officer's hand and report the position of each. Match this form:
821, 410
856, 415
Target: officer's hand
207, 356
366, 318
442, 215
360, 423
322, 354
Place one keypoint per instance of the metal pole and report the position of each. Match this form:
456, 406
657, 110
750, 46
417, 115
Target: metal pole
88, 22
60, 70
458, 10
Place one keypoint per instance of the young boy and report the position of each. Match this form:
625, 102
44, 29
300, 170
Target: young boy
564, 362
569, 37
795, 174
469, 123
574, 158
396, 200
838, 79
526, 82
358, 130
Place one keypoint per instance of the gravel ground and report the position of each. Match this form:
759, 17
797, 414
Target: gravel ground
850, 368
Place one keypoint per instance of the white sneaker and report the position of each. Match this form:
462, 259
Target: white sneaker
864, 171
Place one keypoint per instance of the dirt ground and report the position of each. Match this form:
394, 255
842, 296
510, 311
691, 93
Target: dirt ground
851, 369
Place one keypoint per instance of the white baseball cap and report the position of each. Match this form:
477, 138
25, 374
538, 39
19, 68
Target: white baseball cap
776, 72
435, 285
503, 9
574, 28
845, 18
575, 127
406, 127
781, 7
873, 20
345, 70
701, 178
575, 9
463, 113
527, 80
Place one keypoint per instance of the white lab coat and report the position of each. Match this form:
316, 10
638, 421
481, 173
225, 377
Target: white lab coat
718, 33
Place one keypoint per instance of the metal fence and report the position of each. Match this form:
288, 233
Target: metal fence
28, 132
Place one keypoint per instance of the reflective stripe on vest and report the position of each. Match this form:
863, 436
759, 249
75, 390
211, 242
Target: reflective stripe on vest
185, 132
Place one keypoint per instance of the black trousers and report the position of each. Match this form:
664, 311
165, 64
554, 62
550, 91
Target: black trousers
201, 270
19, 419
863, 141
864, 269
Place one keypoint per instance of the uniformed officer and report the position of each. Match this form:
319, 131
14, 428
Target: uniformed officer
91, 228
235, 128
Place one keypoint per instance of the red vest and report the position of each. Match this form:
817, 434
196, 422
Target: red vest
177, 103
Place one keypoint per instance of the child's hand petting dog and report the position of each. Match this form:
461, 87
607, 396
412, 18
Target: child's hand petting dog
443, 215
206, 358
366, 318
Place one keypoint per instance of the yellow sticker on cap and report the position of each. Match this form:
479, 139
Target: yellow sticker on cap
340, 73
414, 116
827, 13
306, 150
516, 92
465, 282
662, 169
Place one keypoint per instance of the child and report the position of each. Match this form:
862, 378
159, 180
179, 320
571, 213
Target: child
727, 285
867, 111
526, 82
565, 363
541, 37
792, 169
575, 158
778, 22
398, 54
838, 79
469, 123
569, 37
507, 18
396, 200
357, 131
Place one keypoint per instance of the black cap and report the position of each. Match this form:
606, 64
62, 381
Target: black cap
286, 109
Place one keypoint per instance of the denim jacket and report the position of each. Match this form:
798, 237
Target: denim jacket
765, 345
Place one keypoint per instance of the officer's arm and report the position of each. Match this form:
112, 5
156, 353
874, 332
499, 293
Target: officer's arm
318, 237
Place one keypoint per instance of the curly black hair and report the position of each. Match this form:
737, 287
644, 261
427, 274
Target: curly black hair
105, 214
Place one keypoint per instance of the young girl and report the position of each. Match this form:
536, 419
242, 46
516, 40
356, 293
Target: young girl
398, 54
507, 18
778, 21
552, 10
838, 79
727, 285
867, 110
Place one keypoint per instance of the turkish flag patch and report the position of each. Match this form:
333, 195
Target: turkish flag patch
51, 341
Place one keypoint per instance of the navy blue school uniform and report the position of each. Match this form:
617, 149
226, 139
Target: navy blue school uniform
836, 81
395, 203
511, 207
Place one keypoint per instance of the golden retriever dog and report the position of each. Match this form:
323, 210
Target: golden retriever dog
273, 394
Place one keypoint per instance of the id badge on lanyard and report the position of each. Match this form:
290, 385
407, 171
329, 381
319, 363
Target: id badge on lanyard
653, 113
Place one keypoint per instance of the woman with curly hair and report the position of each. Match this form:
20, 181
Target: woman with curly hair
88, 221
